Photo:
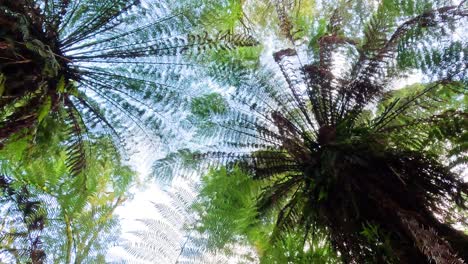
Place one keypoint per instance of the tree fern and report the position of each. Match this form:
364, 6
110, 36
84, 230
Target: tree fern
329, 160
113, 66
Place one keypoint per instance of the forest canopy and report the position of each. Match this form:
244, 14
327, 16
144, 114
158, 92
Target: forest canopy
277, 131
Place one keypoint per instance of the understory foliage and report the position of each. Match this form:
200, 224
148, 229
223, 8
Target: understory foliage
227, 214
51, 215
338, 151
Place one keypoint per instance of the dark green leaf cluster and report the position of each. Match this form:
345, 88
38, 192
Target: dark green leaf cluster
227, 207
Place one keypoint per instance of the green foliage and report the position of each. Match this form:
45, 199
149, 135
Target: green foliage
291, 249
227, 206
181, 161
44, 109
303, 16
79, 207
205, 109
319, 30
51, 66
295, 19
126, 55
211, 104
380, 241
224, 15
435, 124
245, 57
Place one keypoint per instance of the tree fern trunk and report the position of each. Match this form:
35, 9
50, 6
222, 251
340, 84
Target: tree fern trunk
436, 248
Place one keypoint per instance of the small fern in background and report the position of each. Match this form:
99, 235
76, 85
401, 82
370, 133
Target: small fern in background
169, 236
